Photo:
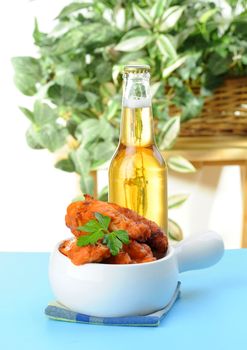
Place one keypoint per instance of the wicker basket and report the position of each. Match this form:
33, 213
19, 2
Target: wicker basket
224, 113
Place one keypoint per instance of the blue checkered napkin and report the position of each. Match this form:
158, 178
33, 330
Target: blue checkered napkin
59, 312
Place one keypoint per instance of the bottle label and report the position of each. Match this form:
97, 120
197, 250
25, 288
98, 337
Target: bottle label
134, 103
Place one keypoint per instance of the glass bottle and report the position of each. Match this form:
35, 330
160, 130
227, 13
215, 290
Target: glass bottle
138, 172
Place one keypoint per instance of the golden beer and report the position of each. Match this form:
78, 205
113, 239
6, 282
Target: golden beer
138, 172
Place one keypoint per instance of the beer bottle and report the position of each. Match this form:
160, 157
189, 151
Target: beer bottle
138, 172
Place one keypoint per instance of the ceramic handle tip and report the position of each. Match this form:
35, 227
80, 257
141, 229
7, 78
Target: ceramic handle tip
199, 251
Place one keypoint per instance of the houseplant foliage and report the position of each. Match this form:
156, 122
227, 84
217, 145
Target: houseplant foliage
76, 82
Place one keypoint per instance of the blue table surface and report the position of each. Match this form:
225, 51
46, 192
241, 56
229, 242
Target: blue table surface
211, 313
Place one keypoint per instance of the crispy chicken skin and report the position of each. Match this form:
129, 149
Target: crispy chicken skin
79, 213
83, 255
140, 230
158, 240
120, 258
139, 252
133, 253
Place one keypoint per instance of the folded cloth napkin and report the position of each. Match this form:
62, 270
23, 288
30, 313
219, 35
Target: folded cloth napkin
59, 312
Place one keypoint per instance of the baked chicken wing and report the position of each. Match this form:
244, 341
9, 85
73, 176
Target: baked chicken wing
79, 213
158, 240
133, 253
148, 241
83, 255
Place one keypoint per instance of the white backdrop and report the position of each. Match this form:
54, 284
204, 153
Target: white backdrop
34, 194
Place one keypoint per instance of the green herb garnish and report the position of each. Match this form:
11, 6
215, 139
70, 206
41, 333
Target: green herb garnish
98, 229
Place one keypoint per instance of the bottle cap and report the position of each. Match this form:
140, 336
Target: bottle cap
137, 68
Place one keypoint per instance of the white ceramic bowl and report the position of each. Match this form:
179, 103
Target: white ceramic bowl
106, 290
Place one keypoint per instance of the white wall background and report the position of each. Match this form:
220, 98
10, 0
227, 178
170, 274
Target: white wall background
34, 195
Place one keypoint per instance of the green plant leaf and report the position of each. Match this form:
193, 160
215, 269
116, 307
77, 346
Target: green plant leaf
155, 88
133, 33
73, 7
26, 84
157, 9
98, 229
141, 17
27, 65
52, 137
27, 74
91, 226
88, 35
27, 113
192, 108
68, 42
65, 95
60, 29
218, 65
65, 165
123, 236
92, 98
65, 78
107, 90
169, 133
102, 152
104, 72
177, 200
87, 184
103, 220
87, 131
166, 47
43, 114
120, 18
103, 195
170, 18
91, 238
116, 69
115, 239
106, 130
206, 15
40, 39
173, 66
82, 160
174, 231
113, 243
78, 199
111, 110
180, 164
133, 44
132, 57
33, 138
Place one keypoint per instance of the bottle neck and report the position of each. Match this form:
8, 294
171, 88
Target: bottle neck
137, 117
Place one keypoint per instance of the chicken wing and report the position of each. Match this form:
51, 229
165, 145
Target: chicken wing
139, 252
140, 230
79, 213
158, 240
120, 258
83, 255
133, 253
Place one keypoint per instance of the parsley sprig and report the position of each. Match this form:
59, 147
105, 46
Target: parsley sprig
98, 230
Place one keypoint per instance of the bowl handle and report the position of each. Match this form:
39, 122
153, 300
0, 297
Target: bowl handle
199, 251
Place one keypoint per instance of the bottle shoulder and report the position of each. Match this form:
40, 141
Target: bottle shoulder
159, 155
129, 154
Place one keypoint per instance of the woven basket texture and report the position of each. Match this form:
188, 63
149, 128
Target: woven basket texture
224, 113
